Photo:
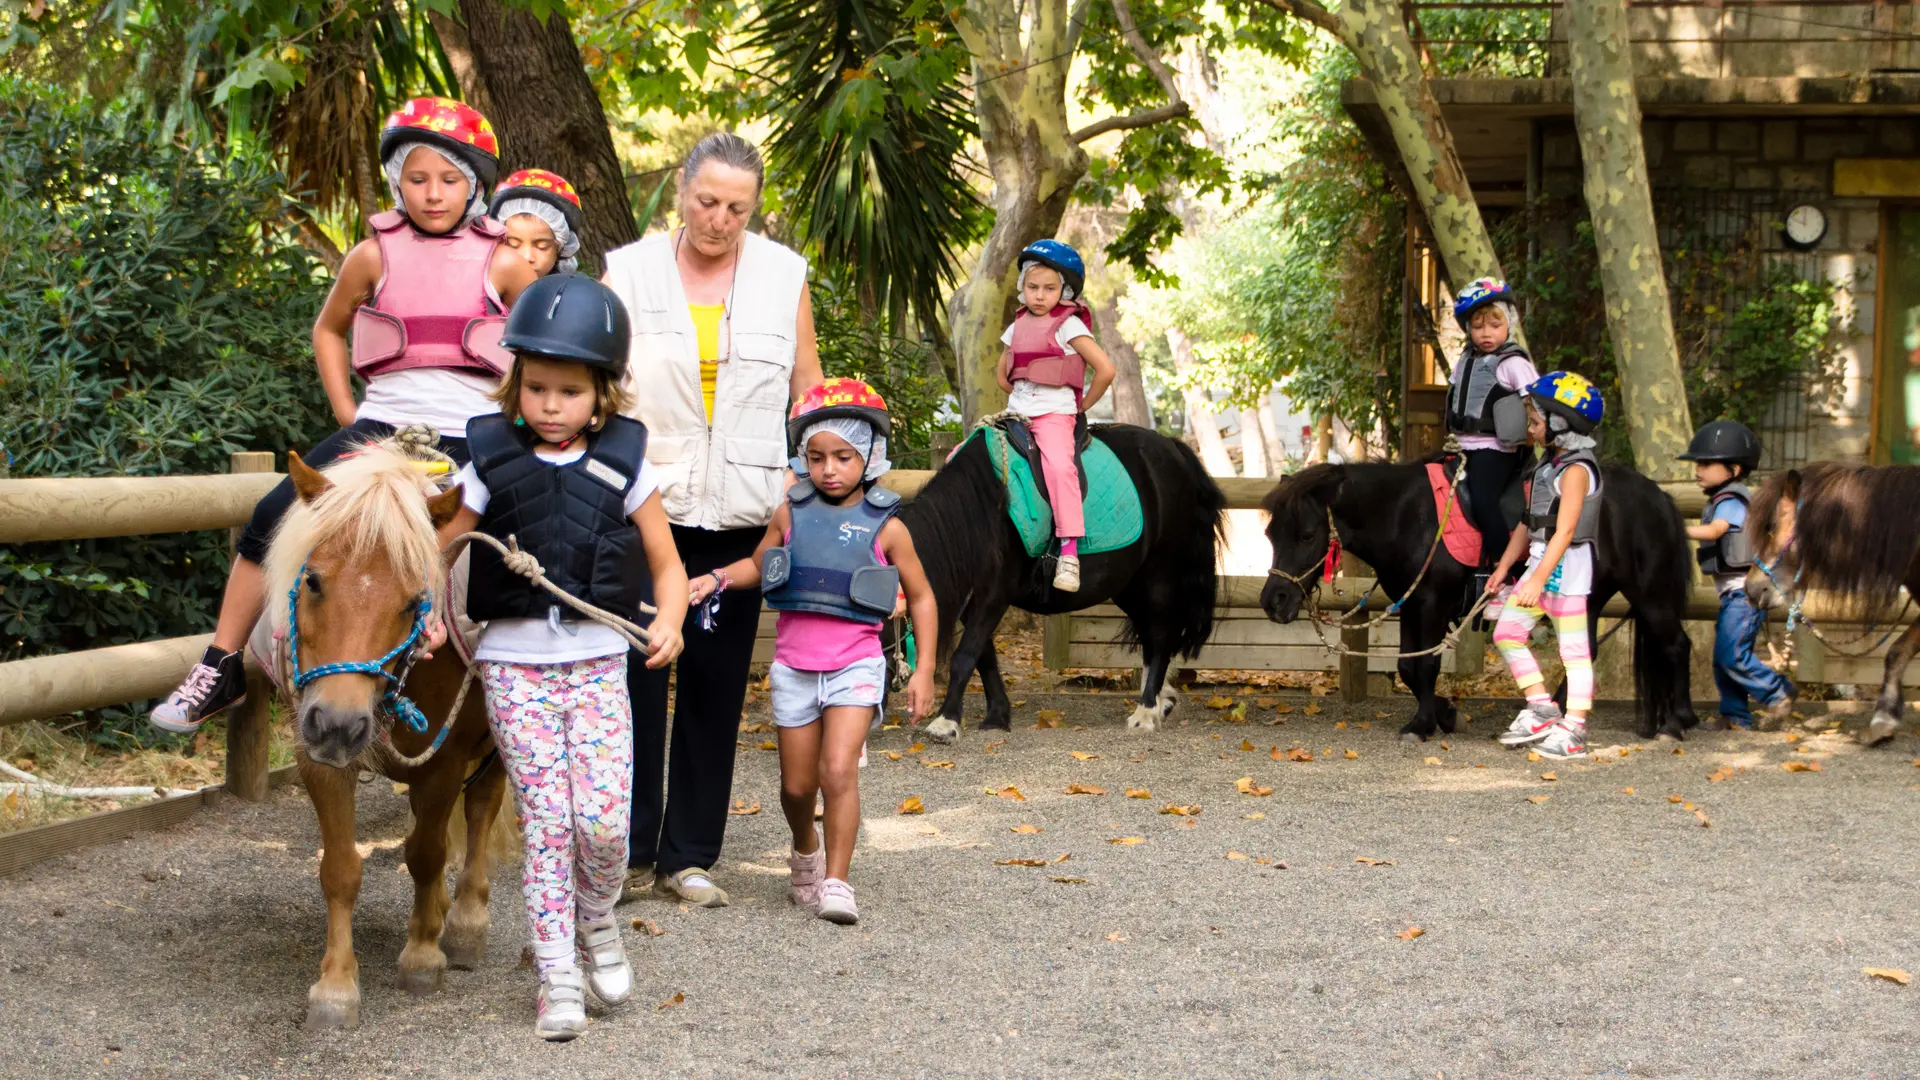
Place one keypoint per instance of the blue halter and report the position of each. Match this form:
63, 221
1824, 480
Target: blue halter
393, 701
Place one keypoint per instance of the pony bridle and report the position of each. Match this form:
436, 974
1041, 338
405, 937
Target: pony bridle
393, 704
1298, 580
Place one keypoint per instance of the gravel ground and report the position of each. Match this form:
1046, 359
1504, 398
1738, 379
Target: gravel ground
1593, 933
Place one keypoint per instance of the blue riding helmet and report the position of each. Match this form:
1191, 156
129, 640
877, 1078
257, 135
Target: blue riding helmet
1569, 398
1478, 294
1062, 258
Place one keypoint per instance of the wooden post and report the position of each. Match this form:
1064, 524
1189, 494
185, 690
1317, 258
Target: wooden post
249, 723
939, 445
1353, 669
1056, 641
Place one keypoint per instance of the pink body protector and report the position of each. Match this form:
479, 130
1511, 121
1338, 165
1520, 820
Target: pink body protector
435, 305
1038, 356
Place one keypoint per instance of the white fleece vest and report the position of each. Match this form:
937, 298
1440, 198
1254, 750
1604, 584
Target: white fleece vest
729, 475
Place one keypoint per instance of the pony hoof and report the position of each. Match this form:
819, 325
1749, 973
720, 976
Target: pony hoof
1882, 728
465, 947
326, 1012
1004, 723
944, 730
1166, 701
1143, 718
1411, 738
1666, 737
423, 982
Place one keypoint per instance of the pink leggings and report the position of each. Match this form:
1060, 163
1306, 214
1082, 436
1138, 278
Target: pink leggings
1054, 433
1569, 615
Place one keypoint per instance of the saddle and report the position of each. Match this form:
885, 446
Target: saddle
1109, 498
1020, 437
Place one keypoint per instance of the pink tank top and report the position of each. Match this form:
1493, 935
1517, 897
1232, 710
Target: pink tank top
435, 305
810, 641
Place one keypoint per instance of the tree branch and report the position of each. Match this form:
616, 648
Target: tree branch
1148, 118
1123, 14
1076, 25
1309, 11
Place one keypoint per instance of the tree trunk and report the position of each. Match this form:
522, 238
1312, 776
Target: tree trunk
1129, 390
1270, 434
459, 50
1607, 116
1035, 163
1322, 439
548, 116
1201, 421
1373, 31
1253, 447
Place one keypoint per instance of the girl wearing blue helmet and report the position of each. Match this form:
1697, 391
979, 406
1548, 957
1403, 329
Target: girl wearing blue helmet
1563, 518
1485, 410
1050, 347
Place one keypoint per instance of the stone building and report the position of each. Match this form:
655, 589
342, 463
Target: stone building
1754, 114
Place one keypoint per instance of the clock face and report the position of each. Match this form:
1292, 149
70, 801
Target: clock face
1805, 225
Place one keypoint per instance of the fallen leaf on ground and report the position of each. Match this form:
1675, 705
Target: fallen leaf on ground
1352, 754
1139, 793
892, 755
1298, 753
1048, 718
1675, 798
652, 928
1702, 815
1892, 975
672, 1001
1312, 709
1364, 724
1218, 701
1433, 761
1410, 933
1182, 811
769, 744
1008, 792
1447, 747
913, 805
1064, 856
1538, 799
1126, 841
916, 748
1266, 702
1246, 746
1531, 756
994, 747
1626, 791
1680, 750
1025, 829
741, 809
1237, 857
1022, 862
1246, 786
1801, 766
1237, 714
1549, 777
1116, 936
756, 729
1283, 709
1068, 880
937, 764
1082, 755
1256, 816
1368, 860
1688, 807
1338, 724
1085, 789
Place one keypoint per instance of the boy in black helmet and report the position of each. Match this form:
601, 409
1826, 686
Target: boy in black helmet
1723, 453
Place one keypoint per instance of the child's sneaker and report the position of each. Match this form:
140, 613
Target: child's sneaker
1066, 575
563, 1006
1531, 725
217, 683
1564, 742
805, 873
836, 902
609, 975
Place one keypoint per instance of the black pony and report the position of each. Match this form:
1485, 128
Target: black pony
1385, 515
1164, 582
1848, 529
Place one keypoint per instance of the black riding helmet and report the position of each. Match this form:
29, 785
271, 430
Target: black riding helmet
1727, 441
570, 317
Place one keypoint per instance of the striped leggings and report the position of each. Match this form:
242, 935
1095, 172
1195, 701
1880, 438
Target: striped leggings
1569, 615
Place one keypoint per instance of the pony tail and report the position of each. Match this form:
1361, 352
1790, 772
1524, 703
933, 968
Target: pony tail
1200, 513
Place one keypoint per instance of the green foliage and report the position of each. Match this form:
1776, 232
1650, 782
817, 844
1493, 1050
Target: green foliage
1484, 41
153, 319
855, 345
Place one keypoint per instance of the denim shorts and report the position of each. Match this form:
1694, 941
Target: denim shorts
799, 697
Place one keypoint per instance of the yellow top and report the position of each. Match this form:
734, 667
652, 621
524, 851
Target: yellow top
706, 326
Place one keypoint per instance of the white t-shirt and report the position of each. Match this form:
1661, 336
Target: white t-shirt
1574, 577
446, 399
538, 641
1032, 399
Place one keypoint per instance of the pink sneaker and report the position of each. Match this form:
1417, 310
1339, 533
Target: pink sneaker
836, 902
807, 871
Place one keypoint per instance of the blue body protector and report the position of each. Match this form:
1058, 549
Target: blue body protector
828, 565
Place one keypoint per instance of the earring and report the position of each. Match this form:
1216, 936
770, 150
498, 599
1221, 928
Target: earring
519, 421
594, 422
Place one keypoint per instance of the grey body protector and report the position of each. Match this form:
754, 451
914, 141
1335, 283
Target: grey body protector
1543, 504
1733, 552
828, 565
1478, 405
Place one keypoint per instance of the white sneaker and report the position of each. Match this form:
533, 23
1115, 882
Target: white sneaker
1565, 741
1066, 575
609, 975
563, 1006
836, 902
1531, 725
804, 876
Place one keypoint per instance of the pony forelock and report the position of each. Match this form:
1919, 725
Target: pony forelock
378, 502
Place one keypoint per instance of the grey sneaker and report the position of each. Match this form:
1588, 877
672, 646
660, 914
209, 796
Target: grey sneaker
1531, 725
1066, 575
1565, 741
836, 902
693, 885
217, 683
563, 1006
609, 975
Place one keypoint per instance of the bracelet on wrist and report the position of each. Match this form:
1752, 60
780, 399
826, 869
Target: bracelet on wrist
720, 581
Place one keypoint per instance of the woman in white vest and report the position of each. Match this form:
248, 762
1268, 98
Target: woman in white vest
722, 342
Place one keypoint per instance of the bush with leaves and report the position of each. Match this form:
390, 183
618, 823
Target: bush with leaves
854, 344
154, 317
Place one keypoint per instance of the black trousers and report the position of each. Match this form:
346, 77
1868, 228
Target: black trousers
274, 506
710, 688
1489, 472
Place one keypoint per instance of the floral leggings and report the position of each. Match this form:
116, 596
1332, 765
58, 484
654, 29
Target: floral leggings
565, 733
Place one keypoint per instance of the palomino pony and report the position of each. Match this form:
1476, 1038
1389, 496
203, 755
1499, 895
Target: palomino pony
351, 570
1164, 581
1848, 529
1385, 515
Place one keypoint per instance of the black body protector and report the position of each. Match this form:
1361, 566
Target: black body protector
571, 517
1478, 405
1733, 552
1543, 504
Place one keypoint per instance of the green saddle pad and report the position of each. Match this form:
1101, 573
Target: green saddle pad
1111, 507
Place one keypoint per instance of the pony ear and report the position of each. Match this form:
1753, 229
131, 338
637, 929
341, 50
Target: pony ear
1790, 488
307, 482
441, 508
1327, 487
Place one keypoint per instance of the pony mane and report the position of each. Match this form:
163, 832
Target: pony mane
378, 502
1859, 521
1295, 488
